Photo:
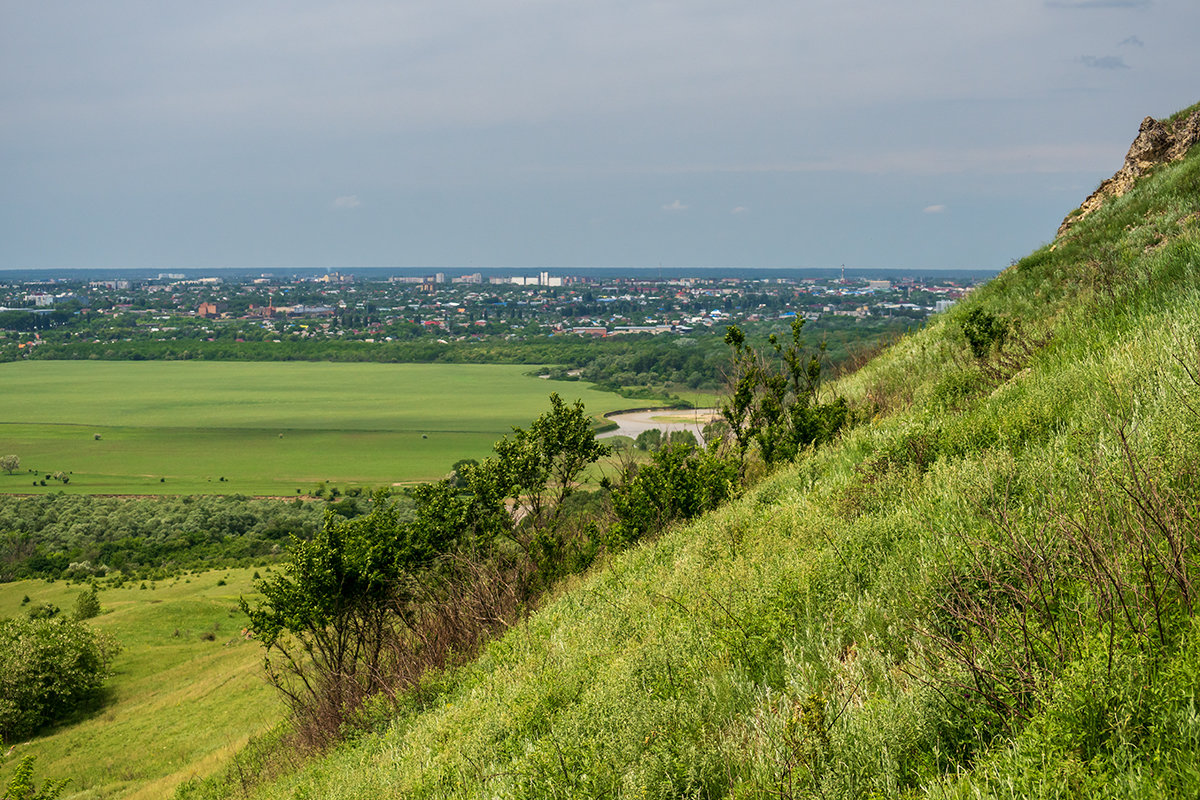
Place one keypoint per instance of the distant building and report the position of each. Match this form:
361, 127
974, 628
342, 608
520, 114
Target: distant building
619, 329
301, 310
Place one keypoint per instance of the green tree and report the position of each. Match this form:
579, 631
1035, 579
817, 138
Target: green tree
327, 616
456, 470
651, 440
341, 616
682, 437
10, 463
540, 467
774, 403
738, 408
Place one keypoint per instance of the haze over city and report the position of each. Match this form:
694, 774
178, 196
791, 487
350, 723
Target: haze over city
873, 134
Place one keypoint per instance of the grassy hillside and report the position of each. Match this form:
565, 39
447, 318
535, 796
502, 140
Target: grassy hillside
985, 589
185, 693
178, 427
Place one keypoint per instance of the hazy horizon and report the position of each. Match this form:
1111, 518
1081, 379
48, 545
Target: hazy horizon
68, 273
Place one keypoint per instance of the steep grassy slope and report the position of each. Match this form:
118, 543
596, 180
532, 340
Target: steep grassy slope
984, 590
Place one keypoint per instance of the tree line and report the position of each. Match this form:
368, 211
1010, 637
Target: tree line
657, 364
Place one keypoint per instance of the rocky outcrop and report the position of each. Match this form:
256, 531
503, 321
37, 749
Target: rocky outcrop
1156, 143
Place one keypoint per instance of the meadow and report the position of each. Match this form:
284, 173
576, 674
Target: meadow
186, 691
267, 428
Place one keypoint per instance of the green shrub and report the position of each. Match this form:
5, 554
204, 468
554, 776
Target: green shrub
984, 331
42, 611
87, 604
679, 483
21, 786
48, 669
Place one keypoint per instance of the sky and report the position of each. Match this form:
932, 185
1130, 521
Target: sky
493, 133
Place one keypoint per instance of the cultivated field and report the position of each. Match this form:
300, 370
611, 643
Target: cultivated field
177, 427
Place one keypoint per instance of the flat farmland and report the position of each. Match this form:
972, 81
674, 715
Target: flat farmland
179, 427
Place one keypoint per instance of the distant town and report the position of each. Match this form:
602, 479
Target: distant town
446, 307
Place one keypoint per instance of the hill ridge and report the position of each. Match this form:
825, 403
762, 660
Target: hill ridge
1157, 142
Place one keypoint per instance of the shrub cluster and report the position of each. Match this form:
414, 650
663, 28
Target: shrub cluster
372, 602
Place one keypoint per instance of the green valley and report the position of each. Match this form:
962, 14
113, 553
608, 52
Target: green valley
968, 569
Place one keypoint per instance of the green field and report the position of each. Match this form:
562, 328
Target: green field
268, 428
179, 702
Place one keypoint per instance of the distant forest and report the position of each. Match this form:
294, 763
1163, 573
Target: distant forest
83, 536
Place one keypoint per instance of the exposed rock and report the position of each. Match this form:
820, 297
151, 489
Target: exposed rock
1156, 143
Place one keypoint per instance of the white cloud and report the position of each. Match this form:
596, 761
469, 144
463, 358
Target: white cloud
934, 209
1104, 62
347, 201
675, 205
739, 210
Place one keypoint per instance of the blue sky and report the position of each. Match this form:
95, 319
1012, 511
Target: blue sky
937, 133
